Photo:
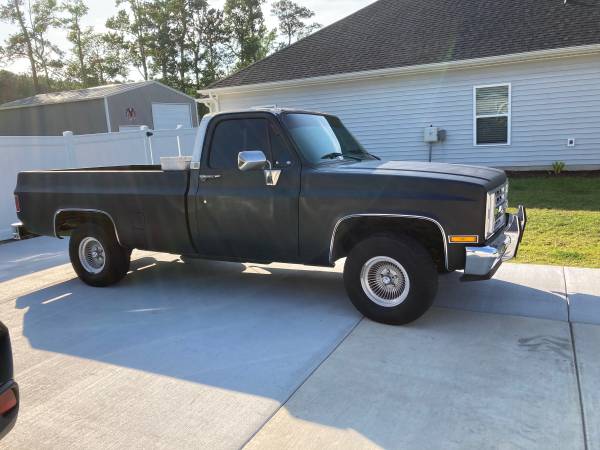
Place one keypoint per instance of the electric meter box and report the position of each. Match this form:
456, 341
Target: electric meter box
431, 135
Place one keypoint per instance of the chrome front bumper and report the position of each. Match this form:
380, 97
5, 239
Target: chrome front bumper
483, 262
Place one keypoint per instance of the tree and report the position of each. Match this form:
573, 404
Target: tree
208, 38
98, 58
133, 26
47, 55
181, 26
21, 44
106, 60
161, 51
246, 24
15, 86
291, 18
80, 37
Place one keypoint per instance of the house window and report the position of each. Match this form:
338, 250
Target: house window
491, 121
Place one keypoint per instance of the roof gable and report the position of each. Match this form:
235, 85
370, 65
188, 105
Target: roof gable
404, 33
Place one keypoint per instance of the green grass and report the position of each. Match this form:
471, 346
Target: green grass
564, 219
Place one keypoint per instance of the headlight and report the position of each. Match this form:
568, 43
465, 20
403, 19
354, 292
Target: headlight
495, 213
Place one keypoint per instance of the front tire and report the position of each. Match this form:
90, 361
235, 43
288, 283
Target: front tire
96, 255
391, 280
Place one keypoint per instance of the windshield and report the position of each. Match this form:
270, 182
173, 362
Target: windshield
322, 138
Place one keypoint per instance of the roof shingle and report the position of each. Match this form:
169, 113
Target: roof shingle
402, 33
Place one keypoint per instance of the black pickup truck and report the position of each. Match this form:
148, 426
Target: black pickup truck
275, 185
9, 391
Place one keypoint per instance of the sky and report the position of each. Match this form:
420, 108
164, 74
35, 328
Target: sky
326, 12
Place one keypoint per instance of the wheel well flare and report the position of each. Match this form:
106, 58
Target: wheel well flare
351, 230
66, 220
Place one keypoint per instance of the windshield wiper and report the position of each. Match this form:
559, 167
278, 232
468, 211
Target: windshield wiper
360, 152
335, 155
332, 155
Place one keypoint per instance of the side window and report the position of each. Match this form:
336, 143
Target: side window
282, 154
236, 135
492, 112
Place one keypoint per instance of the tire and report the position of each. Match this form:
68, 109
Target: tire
95, 241
391, 280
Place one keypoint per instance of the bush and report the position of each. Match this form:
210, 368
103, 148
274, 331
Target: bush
558, 167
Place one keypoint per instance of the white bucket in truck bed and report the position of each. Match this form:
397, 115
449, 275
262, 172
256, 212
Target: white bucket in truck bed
175, 162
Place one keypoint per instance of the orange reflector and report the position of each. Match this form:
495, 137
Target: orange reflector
464, 239
8, 401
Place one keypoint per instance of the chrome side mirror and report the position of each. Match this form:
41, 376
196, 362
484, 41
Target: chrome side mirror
251, 160
256, 160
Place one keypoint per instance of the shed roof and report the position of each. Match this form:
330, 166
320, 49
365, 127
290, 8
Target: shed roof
75, 95
402, 33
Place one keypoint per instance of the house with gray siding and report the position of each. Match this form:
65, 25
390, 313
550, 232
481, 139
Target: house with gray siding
514, 84
102, 109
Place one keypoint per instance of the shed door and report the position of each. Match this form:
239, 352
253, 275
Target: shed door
167, 116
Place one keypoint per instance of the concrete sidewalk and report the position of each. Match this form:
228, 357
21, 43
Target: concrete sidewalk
219, 355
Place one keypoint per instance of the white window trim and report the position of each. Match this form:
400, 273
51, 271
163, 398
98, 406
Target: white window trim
509, 115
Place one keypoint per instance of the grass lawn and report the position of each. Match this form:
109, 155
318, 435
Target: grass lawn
564, 219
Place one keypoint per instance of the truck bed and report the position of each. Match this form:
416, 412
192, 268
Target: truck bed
146, 204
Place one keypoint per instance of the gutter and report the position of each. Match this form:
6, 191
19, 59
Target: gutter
565, 52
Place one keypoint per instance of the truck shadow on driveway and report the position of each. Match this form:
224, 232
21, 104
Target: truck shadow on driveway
242, 327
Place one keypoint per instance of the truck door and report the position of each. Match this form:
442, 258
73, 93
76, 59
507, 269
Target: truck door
238, 215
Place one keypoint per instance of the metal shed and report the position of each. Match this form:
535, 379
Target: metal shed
102, 109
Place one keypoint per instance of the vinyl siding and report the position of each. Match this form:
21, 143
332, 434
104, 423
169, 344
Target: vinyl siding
552, 101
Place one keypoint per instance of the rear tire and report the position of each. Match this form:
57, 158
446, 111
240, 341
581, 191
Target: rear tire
391, 280
96, 255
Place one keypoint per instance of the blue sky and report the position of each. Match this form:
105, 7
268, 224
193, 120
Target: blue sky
327, 12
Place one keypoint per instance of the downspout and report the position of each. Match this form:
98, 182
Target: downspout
212, 102
215, 99
107, 114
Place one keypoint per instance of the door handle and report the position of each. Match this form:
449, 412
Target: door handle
204, 178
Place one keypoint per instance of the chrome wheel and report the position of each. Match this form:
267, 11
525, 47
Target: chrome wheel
385, 281
91, 255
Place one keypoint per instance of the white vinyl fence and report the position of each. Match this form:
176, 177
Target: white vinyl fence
21, 153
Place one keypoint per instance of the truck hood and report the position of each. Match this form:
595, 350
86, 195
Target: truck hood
484, 174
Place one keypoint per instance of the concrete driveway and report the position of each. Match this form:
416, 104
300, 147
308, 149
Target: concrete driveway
200, 354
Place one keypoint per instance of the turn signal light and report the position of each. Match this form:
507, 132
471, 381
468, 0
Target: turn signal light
470, 239
17, 203
8, 401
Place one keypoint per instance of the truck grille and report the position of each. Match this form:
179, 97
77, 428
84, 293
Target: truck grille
497, 204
